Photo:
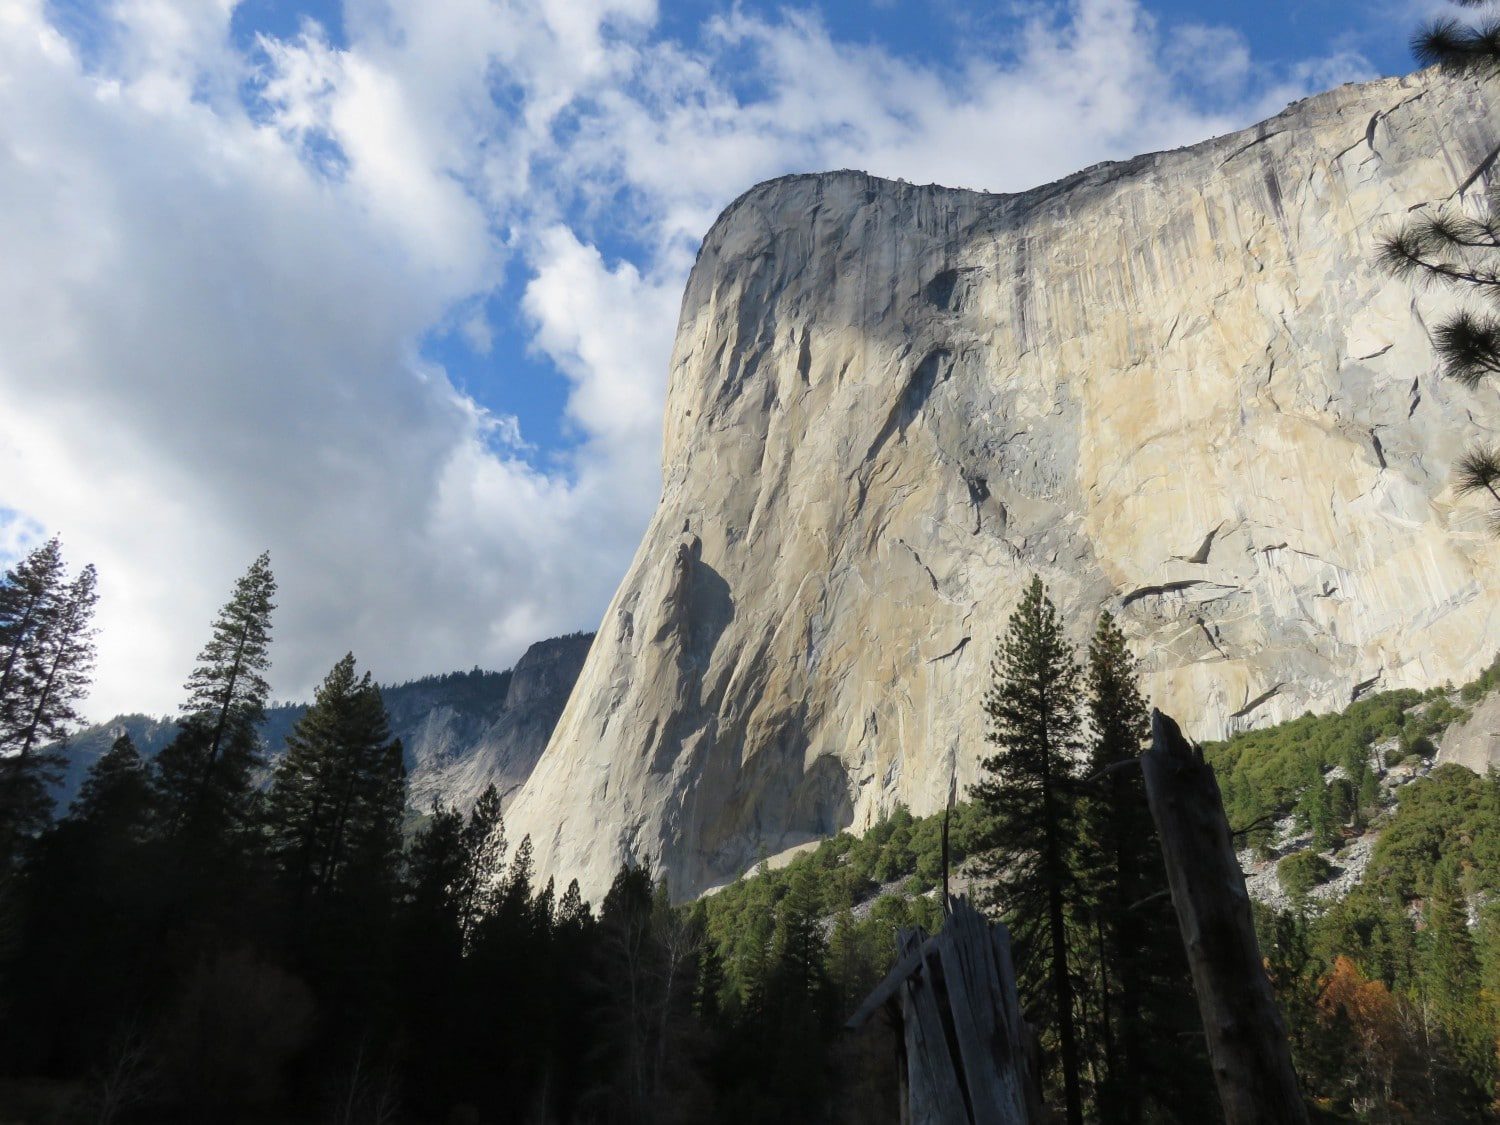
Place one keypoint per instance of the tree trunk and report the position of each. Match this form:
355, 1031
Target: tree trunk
1247, 1040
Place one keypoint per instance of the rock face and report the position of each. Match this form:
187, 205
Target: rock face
1475, 742
1177, 387
456, 747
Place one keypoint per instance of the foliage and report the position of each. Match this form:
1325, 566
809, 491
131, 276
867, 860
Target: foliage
1451, 247
1030, 794
205, 774
1268, 772
1299, 873
46, 658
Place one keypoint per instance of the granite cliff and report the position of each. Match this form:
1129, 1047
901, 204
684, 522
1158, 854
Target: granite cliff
1176, 387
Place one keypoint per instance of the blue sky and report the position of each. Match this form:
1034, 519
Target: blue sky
512, 378
389, 286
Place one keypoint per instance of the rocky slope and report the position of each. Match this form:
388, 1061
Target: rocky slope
1176, 387
461, 731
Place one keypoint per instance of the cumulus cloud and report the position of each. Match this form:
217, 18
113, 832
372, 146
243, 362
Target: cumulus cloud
223, 261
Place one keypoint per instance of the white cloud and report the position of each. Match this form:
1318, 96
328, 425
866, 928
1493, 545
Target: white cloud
211, 318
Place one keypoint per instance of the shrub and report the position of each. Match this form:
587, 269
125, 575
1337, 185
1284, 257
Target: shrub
1299, 874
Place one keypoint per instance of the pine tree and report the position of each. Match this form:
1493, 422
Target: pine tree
1457, 46
1460, 251
29, 593
452, 867
484, 852
522, 871
708, 982
337, 796
1450, 964
205, 774
798, 944
46, 661
544, 906
1151, 1037
1316, 809
572, 911
116, 794
1030, 795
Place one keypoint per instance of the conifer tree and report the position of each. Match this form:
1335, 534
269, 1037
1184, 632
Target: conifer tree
116, 793
205, 774
55, 672
46, 660
336, 800
544, 906
1459, 250
522, 871
452, 868
798, 944
1315, 807
708, 982
29, 593
1030, 793
1150, 1036
1458, 46
572, 911
1451, 967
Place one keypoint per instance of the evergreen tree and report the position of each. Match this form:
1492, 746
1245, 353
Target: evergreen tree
1030, 792
452, 868
116, 793
89, 943
337, 796
630, 970
1450, 964
798, 944
55, 673
572, 911
1458, 46
1460, 251
29, 594
205, 774
46, 660
1149, 1032
1316, 809
517, 893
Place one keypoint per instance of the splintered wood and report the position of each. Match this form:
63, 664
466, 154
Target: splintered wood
1247, 1039
966, 1057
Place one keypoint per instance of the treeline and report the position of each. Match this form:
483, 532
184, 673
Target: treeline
194, 941
209, 936
1392, 994
1323, 769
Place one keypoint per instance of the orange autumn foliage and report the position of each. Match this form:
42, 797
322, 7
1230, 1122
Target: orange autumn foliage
1373, 1014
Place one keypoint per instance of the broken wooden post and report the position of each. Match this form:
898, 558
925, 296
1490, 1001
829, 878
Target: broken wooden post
1247, 1040
966, 1058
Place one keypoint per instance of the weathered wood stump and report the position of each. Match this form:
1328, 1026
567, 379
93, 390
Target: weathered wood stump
1247, 1039
966, 1045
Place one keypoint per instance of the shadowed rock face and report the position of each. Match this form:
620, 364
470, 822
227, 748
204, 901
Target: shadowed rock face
460, 732
1176, 387
457, 746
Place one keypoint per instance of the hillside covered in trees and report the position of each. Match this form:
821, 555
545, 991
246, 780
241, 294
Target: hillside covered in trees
185, 944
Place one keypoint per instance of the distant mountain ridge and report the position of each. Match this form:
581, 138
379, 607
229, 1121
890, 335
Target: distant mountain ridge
460, 731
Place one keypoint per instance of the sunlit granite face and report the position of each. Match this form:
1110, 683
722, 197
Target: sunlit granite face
1178, 388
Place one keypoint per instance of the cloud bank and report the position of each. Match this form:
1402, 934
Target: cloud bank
226, 254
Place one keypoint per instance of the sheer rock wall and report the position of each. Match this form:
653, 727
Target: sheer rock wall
1177, 387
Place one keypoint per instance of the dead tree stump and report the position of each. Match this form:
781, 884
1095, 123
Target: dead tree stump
966, 1056
1247, 1040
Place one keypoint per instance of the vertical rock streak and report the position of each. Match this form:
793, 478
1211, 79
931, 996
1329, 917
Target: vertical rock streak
1155, 383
